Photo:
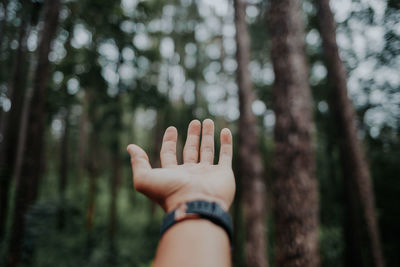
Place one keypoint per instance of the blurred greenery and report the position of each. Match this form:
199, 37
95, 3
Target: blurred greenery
133, 68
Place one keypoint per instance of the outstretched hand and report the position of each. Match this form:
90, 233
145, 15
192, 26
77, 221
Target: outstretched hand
195, 179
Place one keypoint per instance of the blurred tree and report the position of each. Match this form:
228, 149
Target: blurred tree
93, 166
3, 21
63, 169
116, 171
61, 102
357, 181
251, 167
83, 133
295, 187
10, 122
179, 64
28, 182
115, 145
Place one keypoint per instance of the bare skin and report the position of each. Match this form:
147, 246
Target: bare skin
192, 242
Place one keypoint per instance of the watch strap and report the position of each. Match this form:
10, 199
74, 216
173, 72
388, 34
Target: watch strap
203, 209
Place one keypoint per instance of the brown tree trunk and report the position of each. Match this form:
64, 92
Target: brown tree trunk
295, 187
28, 182
251, 167
63, 175
355, 169
10, 123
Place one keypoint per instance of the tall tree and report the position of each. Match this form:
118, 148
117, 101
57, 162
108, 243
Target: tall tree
295, 187
251, 167
31, 171
11, 120
357, 178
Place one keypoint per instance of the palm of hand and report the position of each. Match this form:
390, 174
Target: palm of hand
174, 184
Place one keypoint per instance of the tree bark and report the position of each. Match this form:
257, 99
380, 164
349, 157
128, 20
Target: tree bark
28, 182
357, 178
295, 187
251, 167
10, 123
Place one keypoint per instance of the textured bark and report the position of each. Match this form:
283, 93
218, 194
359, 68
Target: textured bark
355, 169
28, 181
10, 124
295, 187
251, 167
63, 173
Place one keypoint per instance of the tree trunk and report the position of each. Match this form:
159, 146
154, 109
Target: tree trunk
82, 143
3, 22
116, 171
28, 182
92, 171
63, 175
92, 189
355, 169
114, 187
92, 167
295, 187
251, 167
10, 123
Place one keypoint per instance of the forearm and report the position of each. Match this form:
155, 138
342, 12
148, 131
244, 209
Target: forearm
194, 242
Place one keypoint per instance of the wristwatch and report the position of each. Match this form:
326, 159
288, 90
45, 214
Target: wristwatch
199, 209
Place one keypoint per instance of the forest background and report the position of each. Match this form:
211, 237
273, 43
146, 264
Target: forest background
79, 80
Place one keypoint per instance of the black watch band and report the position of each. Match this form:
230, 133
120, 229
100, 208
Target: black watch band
203, 209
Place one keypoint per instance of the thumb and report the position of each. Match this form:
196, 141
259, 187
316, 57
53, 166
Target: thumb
139, 159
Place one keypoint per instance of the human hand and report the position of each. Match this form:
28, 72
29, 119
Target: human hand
173, 184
